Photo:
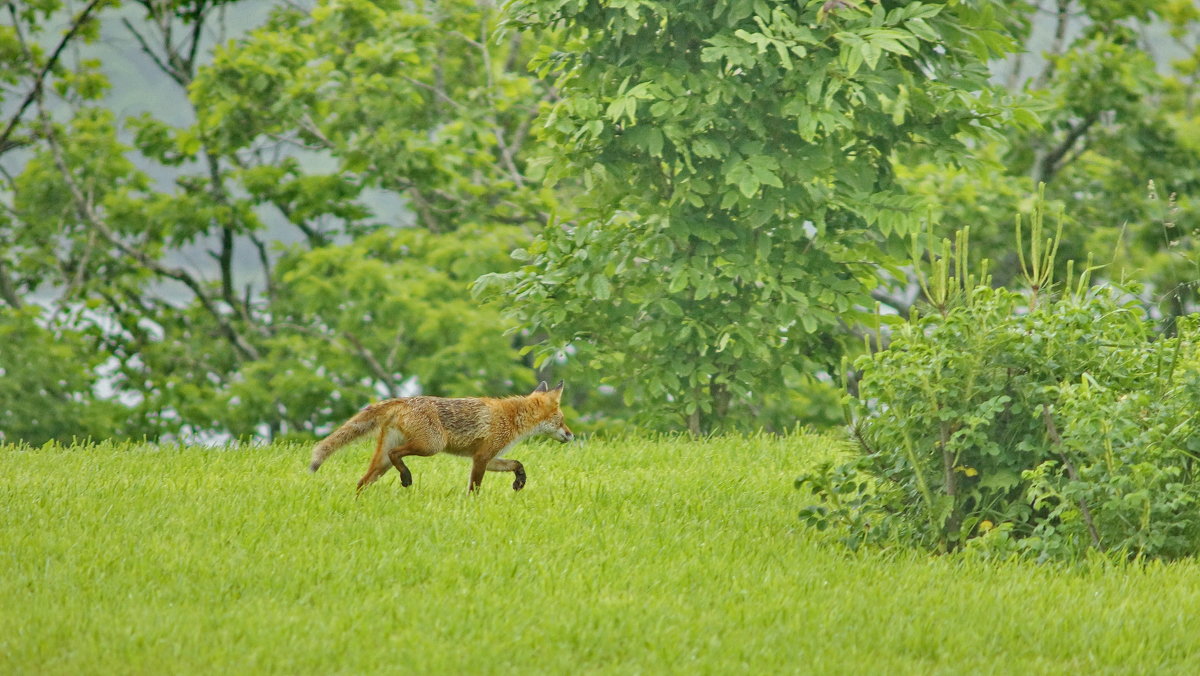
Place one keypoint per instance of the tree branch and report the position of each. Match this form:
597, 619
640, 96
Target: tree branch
307, 124
425, 209
39, 78
86, 211
356, 347
7, 291
165, 67
265, 261
372, 363
954, 521
178, 66
198, 17
1049, 165
1062, 16
224, 258
77, 279
437, 91
224, 255
514, 52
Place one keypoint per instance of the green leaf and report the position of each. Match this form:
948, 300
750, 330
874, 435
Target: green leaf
919, 28
852, 57
1002, 479
748, 184
601, 287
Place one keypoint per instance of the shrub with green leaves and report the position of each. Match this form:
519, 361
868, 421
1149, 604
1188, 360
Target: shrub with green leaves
1040, 423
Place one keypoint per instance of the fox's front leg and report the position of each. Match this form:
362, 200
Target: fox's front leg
478, 467
506, 465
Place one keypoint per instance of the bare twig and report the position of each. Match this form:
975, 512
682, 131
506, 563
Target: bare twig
177, 64
507, 152
164, 66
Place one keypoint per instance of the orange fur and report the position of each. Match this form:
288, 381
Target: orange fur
479, 428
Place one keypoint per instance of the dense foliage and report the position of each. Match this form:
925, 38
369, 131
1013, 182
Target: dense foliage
737, 161
1115, 83
46, 377
249, 232
1049, 422
301, 244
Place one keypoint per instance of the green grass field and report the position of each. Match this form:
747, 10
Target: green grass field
622, 557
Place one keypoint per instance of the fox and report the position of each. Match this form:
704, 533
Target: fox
479, 428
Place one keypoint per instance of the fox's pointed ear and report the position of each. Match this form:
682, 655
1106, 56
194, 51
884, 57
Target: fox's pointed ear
542, 387
559, 386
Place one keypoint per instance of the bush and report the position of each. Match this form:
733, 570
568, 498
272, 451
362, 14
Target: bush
1047, 424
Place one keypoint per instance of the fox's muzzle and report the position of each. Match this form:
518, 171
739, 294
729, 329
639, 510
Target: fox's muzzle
564, 435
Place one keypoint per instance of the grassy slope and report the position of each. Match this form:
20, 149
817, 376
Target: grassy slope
621, 557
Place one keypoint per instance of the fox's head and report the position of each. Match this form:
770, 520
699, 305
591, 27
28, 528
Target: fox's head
549, 415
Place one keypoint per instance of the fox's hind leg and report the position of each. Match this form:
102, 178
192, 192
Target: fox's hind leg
397, 455
380, 462
506, 465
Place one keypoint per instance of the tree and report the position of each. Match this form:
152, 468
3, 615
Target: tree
46, 379
740, 195
1118, 148
384, 140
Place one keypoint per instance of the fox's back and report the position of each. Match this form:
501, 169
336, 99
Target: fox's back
463, 422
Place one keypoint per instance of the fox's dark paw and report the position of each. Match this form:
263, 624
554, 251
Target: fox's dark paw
519, 482
406, 479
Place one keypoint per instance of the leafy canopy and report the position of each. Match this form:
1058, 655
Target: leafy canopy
304, 242
739, 192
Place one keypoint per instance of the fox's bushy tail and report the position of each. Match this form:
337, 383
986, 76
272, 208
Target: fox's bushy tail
364, 422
